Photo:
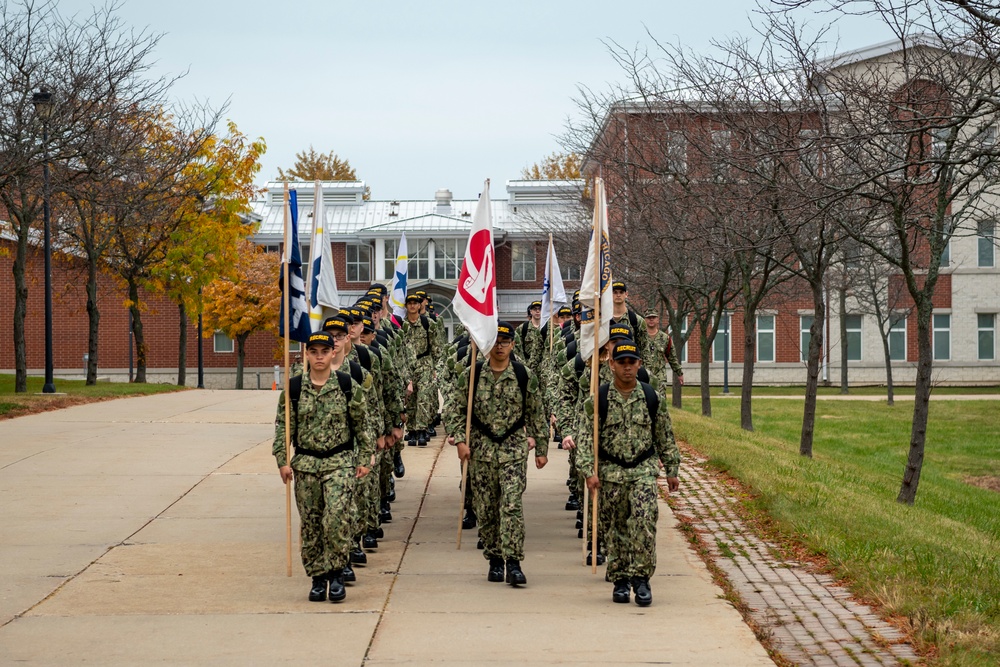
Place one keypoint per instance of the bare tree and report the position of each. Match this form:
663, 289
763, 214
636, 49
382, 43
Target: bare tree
93, 67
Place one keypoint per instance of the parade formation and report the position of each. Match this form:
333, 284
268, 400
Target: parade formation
378, 378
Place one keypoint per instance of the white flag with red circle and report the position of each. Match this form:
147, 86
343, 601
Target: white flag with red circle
475, 301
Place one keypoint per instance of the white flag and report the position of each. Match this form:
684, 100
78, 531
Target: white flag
595, 287
475, 301
553, 292
397, 298
322, 282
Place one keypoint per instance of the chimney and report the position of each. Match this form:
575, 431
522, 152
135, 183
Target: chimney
443, 199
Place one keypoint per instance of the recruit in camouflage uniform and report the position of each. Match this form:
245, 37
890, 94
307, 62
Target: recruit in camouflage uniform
629, 448
421, 344
506, 423
660, 352
331, 449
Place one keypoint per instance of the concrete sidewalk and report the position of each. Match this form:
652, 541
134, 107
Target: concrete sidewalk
151, 530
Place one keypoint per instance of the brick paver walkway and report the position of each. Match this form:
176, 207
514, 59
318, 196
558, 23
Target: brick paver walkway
811, 619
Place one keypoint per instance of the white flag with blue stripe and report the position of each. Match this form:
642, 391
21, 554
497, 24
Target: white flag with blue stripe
553, 292
298, 328
323, 294
397, 299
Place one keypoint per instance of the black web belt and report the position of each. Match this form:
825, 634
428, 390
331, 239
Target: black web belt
611, 458
326, 453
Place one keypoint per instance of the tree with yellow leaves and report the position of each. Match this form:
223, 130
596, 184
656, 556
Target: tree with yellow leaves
554, 167
246, 301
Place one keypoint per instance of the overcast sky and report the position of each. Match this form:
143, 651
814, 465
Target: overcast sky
417, 95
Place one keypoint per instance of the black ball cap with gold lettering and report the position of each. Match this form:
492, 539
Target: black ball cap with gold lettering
321, 338
414, 298
565, 311
369, 325
625, 349
619, 284
620, 331
505, 330
534, 304
336, 323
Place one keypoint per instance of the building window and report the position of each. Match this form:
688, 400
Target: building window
523, 261
765, 338
946, 253
942, 337
853, 325
897, 337
987, 336
272, 247
722, 345
571, 271
809, 153
359, 263
805, 324
390, 257
722, 146
294, 346
683, 356
676, 153
448, 257
221, 342
418, 268
986, 238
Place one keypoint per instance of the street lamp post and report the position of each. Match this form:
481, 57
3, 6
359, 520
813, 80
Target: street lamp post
43, 108
201, 357
725, 357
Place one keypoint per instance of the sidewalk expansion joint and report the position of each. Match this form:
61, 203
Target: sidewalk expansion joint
801, 617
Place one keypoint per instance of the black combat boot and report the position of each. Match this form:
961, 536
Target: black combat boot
385, 513
318, 591
358, 556
643, 594
411, 438
347, 574
337, 590
469, 520
573, 504
621, 591
398, 469
379, 533
422, 438
514, 575
600, 558
496, 572
432, 432
369, 541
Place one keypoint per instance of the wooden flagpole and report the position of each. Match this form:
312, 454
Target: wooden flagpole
468, 427
594, 373
288, 432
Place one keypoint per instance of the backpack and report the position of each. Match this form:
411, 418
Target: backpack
295, 391
427, 330
652, 405
522, 382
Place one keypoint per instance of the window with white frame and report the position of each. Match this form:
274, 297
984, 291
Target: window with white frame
222, 343
939, 142
987, 330
390, 257
722, 346
986, 237
897, 337
418, 267
722, 146
683, 356
676, 152
571, 271
448, 257
805, 335
522, 261
853, 325
359, 263
765, 338
942, 337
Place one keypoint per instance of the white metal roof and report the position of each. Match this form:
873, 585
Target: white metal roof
349, 218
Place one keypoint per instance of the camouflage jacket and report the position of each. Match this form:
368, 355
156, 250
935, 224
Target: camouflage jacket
420, 346
321, 423
660, 353
626, 434
497, 404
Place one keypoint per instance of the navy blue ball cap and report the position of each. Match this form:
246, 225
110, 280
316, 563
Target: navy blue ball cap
321, 338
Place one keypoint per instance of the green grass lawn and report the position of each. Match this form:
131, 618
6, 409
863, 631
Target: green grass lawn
74, 392
936, 564
694, 391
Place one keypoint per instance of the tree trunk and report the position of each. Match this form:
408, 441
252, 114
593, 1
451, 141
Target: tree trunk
706, 352
812, 376
921, 405
676, 388
749, 361
182, 345
241, 341
888, 365
140, 341
20, 310
842, 308
93, 322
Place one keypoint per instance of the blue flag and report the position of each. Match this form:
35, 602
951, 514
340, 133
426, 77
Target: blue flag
299, 314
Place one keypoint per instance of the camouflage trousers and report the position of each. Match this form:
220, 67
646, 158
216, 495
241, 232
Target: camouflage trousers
422, 404
384, 470
497, 491
630, 511
364, 509
324, 504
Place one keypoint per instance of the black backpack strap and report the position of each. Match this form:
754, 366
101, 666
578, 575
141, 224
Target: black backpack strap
364, 357
602, 403
427, 332
356, 373
652, 405
642, 375
524, 330
522, 382
295, 391
579, 365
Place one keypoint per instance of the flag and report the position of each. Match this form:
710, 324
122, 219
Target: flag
397, 299
475, 301
322, 282
598, 264
552, 285
299, 313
